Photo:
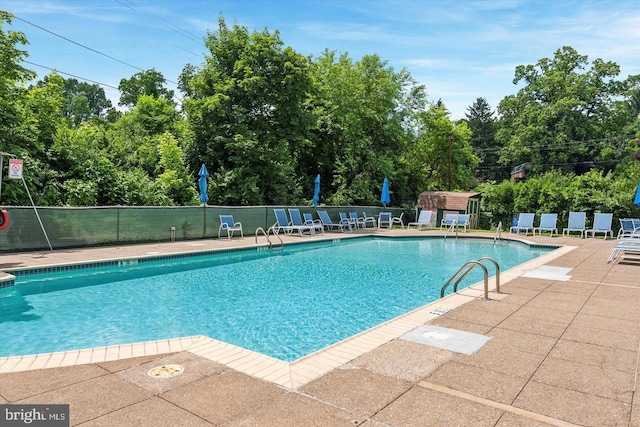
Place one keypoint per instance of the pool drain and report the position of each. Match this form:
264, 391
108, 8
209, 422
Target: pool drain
435, 335
165, 371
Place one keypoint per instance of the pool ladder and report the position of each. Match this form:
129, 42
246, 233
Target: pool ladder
498, 235
260, 230
454, 227
466, 269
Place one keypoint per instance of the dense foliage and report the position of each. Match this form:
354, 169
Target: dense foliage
265, 120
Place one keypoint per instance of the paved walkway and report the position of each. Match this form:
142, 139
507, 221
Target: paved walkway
564, 350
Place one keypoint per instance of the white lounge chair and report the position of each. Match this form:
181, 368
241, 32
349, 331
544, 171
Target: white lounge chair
344, 219
577, 221
398, 220
625, 246
368, 219
424, 220
601, 224
547, 223
229, 225
525, 222
329, 224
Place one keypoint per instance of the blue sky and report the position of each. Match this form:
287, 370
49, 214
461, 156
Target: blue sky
460, 50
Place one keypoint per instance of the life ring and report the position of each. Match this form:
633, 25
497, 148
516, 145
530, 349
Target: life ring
4, 219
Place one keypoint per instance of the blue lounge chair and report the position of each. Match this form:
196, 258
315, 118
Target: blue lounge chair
628, 228
424, 220
355, 220
463, 221
298, 224
384, 218
330, 225
229, 225
344, 219
282, 222
577, 221
448, 220
547, 223
525, 222
317, 224
601, 224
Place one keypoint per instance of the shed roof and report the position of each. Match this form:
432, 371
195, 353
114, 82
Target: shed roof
453, 200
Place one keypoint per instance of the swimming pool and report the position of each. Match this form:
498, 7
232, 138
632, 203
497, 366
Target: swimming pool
284, 303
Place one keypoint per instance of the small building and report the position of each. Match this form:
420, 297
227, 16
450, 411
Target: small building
451, 201
519, 173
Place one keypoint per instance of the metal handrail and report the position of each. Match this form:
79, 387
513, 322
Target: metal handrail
466, 269
264, 233
273, 231
498, 232
453, 225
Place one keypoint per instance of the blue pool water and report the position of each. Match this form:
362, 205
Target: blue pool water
285, 303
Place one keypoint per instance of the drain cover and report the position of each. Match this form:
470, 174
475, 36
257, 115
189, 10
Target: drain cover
435, 335
166, 371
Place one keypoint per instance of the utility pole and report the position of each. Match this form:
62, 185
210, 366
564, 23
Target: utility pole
451, 138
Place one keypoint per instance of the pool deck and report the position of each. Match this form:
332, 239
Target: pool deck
564, 350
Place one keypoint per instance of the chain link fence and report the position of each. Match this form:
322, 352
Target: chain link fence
68, 227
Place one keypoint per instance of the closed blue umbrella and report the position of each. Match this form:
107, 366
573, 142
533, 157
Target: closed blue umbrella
636, 201
202, 183
385, 197
316, 191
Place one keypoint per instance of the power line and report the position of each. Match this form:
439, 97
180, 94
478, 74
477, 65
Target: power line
79, 44
69, 74
87, 47
175, 28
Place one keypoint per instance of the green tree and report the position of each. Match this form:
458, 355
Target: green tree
84, 101
565, 116
441, 157
150, 82
247, 116
483, 125
362, 112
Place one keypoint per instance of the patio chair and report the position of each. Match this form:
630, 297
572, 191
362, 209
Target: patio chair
424, 220
229, 225
316, 224
329, 224
397, 220
366, 219
625, 246
358, 221
448, 220
384, 218
577, 222
628, 228
547, 223
525, 222
463, 221
344, 219
282, 222
298, 224
601, 224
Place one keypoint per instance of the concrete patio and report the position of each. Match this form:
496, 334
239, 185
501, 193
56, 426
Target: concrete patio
563, 351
